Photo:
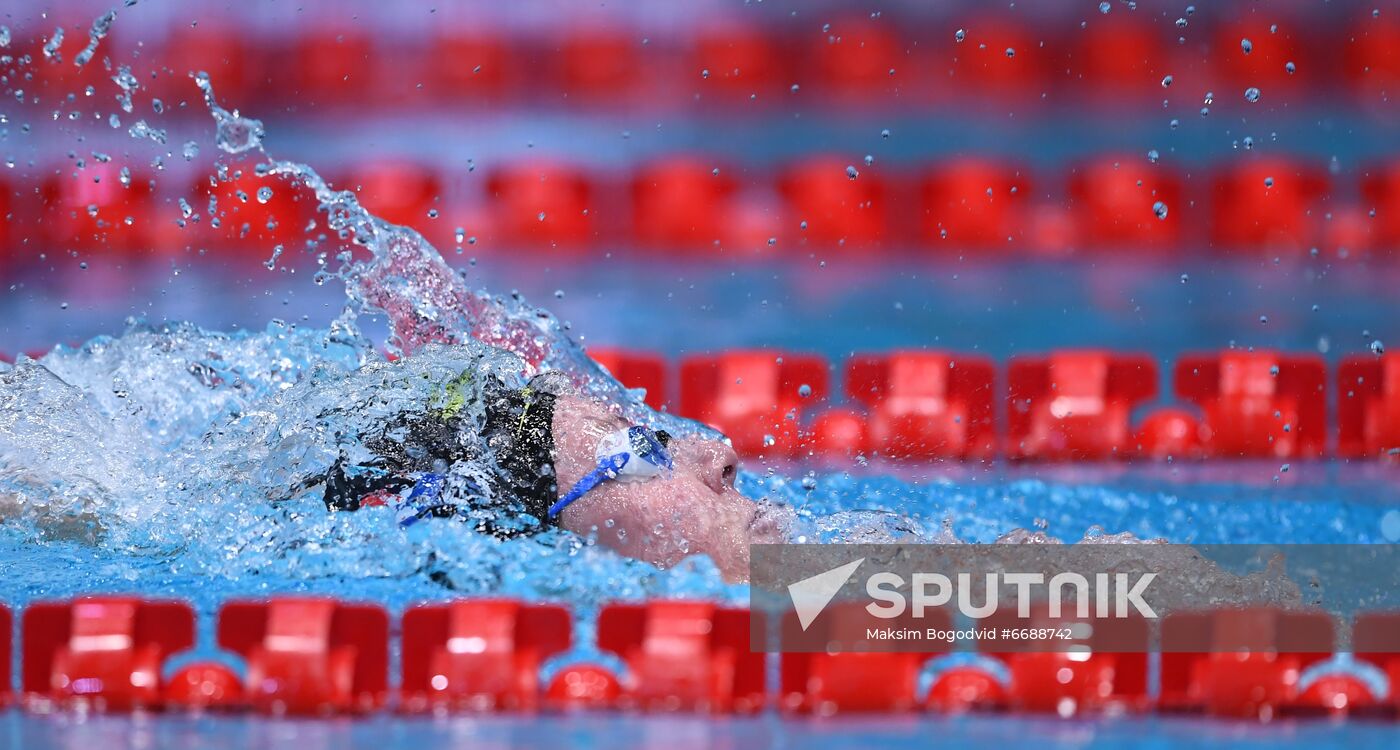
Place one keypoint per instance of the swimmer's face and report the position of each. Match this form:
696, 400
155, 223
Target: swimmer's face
692, 510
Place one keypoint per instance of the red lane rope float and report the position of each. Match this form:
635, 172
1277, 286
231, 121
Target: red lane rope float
102, 652
310, 655
684, 655
479, 655
689, 205
1068, 405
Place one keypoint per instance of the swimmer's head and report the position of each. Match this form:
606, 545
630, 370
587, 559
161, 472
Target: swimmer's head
681, 502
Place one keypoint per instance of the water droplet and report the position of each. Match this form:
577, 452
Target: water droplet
1153, 156
960, 35
1268, 182
1290, 67
1377, 348
804, 390
52, 45
190, 150
851, 172
1160, 209
1246, 46
1251, 94
264, 194
432, 213
1010, 52
1166, 81
1105, 7
885, 133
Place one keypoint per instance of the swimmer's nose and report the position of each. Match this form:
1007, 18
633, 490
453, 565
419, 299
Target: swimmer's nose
719, 467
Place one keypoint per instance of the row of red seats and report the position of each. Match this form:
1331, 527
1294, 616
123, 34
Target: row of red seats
689, 205
317, 656
1067, 405
1114, 58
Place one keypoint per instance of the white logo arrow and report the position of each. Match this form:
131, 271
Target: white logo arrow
811, 595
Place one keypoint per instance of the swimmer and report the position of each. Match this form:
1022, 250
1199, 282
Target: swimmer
561, 460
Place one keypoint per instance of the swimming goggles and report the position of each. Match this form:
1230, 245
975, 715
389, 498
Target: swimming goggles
635, 454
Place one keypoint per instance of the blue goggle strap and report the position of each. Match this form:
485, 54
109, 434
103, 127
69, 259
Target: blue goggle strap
607, 469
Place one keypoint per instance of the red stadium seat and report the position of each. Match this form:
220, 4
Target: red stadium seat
600, 63
1376, 639
849, 681
926, 404
636, 370
479, 654
1268, 205
855, 56
683, 655
402, 193
472, 67
680, 203
217, 49
1076, 405
754, 397
1372, 57
1368, 407
1114, 201
981, 65
1106, 672
1273, 44
542, 204
101, 653
1118, 57
71, 197
249, 225
836, 209
970, 203
1380, 188
334, 67
1241, 663
309, 655
1257, 404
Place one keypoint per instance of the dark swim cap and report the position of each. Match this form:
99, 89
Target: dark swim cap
519, 429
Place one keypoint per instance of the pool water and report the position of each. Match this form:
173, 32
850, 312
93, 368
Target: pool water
144, 512
613, 732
